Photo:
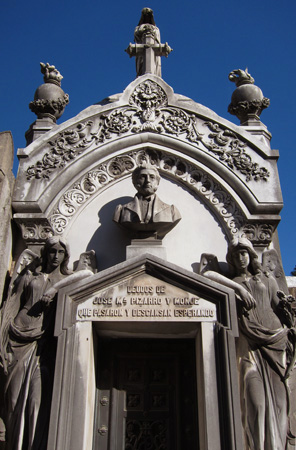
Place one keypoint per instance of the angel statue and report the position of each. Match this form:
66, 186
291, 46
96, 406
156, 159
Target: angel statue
265, 349
27, 345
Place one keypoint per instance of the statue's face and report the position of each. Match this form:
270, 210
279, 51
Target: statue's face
147, 182
55, 256
241, 259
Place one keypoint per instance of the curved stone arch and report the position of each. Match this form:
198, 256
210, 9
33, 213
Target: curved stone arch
223, 155
174, 121
47, 191
114, 106
186, 172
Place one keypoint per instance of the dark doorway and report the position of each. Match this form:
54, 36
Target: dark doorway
146, 395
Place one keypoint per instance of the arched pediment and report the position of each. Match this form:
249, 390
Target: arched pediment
224, 165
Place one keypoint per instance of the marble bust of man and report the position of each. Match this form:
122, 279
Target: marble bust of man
146, 214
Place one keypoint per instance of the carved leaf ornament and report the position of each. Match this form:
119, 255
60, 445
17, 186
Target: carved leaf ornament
147, 111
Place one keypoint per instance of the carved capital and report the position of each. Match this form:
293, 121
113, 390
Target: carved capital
260, 234
35, 230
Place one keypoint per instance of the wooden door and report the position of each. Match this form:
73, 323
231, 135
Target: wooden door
146, 395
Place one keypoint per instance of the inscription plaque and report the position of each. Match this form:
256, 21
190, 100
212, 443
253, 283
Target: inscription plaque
145, 298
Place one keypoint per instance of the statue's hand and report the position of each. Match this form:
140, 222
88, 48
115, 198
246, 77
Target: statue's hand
246, 298
285, 313
48, 297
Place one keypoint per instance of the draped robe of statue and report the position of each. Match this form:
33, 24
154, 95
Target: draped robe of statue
262, 367
30, 372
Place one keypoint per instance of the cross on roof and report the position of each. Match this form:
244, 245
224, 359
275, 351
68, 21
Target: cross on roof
147, 48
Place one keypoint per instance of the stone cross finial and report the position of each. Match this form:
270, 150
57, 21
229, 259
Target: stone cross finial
147, 48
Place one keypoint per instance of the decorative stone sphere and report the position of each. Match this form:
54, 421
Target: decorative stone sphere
247, 101
49, 99
246, 93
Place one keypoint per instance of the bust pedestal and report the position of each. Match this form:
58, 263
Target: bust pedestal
150, 245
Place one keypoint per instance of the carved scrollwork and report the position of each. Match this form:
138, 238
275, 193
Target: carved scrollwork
231, 150
72, 198
58, 222
148, 111
117, 167
68, 145
259, 234
35, 230
176, 121
93, 181
120, 165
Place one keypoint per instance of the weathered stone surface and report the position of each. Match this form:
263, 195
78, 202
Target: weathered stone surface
247, 101
27, 345
65, 177
152, 246
148, 49
6, 187
144, 299
77, 327
291, 282
49, 102
265, 349
223, 180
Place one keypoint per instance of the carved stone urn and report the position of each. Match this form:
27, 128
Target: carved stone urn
247, 101
49, 99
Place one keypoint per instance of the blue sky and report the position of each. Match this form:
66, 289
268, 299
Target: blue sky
86, 42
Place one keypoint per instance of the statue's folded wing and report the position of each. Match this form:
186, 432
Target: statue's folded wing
87, 260
26, 264
208, 262
271, 263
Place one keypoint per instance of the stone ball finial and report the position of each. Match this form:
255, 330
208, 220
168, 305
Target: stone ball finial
49, 100
247, 101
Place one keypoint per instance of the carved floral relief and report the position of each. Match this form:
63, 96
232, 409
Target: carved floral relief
147, 111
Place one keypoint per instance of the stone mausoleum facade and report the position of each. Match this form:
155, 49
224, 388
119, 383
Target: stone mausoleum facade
123, 324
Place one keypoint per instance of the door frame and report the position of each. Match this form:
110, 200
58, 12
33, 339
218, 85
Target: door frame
73, 401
